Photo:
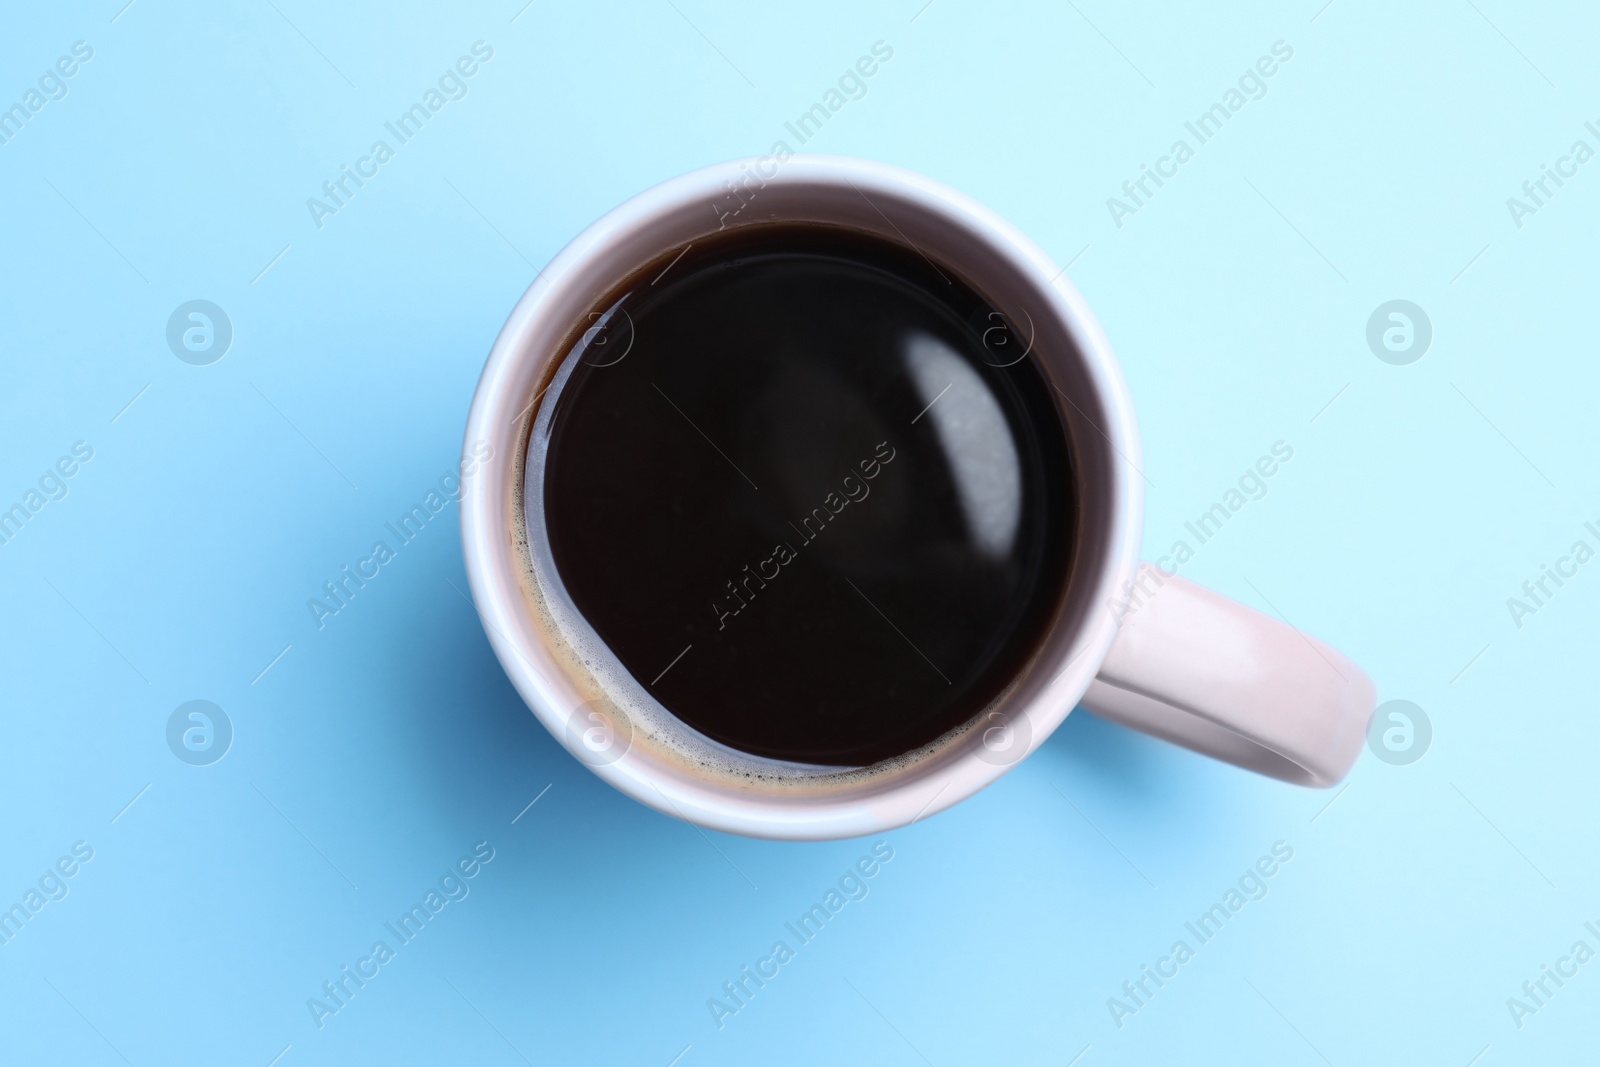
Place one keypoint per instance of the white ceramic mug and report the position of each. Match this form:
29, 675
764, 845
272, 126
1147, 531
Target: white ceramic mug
1129, 642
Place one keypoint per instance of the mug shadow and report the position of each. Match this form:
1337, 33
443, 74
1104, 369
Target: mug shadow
1107, 763
492, 756
1103, 755
478, 756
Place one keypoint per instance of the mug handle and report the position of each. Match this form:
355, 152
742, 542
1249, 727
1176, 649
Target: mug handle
1192, 667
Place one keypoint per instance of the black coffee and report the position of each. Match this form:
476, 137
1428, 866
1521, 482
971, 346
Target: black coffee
802, 485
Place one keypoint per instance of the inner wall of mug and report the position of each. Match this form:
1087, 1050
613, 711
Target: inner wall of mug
958, 244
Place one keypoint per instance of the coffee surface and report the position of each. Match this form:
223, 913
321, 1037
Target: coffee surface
811, 492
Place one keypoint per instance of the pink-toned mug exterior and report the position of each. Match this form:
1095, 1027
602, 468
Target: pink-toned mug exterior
1131, 643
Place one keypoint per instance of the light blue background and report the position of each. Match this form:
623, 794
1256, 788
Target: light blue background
378, 750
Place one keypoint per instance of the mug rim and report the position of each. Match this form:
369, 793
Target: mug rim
502, 415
